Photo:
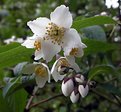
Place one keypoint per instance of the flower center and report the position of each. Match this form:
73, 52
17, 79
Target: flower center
41, 71
37, 45
63, 62
74, 51
55, 33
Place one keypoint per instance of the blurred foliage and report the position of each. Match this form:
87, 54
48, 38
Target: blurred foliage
101, 62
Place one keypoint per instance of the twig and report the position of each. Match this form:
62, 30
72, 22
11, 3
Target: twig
117, 99
113, 79
45, 100
31, 98
105, 96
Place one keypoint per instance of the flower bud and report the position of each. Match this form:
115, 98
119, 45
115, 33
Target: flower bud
74, 97
67, 86
79, 78
83, 90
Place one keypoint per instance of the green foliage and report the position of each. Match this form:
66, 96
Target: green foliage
97, 20
14, 103
101, 69
14, 56
15, 84
95, 46
95, 32
98, 63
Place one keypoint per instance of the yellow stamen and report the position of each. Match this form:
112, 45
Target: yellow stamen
41, 71
74, 51
63, 62
55, 33
37, 45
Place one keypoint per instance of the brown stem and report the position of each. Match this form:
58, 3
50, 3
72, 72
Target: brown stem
45, 100
31, 98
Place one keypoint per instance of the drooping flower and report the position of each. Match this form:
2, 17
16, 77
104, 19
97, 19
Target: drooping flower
62, 66
56, 33
41, 72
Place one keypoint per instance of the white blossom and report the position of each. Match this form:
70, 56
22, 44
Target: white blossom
65, 62
41, 72
56, 33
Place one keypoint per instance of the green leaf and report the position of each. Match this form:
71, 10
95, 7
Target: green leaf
100, 70
17, 101
97, 20
95, 32
11, 86
111, 88
15, 84
18, 68
4, 107
94, 46
14, 56
5, 48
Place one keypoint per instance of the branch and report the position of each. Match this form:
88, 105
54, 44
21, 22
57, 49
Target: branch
104, 96
117, 99
31, 98
45, 100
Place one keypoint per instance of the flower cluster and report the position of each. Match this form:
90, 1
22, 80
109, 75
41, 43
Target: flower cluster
75, 87
50, 37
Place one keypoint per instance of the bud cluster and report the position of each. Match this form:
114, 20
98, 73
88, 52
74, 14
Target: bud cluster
75, 86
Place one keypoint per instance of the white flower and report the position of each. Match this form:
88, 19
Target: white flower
60, 65
41, 72
42, 48
83, 90
74, 97
113, 3
55, 32
42, 75
75, 50
67, 86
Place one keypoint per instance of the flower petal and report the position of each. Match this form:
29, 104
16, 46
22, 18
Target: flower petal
83, 90
29, 43
61, 16
67, 87
41, 80
71, 38
74, 97
39, 25
55, 73
49, 73
38, 54
72, 62
49, 49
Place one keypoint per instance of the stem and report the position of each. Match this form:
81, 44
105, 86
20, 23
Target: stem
45, 100
31, 98
117, 99
105, 96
